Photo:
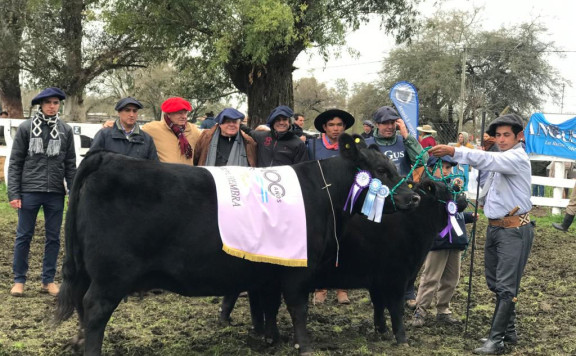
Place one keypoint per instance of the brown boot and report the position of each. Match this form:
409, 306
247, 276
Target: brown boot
342, 295
17, 290
320, 296
50, 288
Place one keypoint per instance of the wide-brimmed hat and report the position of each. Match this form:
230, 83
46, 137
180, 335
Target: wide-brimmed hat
426, 128
122, 103
321, 119
52, 92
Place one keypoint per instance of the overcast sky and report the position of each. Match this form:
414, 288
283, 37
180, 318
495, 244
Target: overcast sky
373, 45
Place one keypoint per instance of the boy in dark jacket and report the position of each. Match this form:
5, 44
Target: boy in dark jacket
442, 266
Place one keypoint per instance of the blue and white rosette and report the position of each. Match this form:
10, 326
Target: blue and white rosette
361, 181
375, 186
452, 209
378, 207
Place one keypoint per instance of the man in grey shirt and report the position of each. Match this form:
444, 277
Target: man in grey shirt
506, 200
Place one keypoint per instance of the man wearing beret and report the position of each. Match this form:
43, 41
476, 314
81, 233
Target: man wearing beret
42, 157
331, 123
279, 146
174, 136
225, 144
509, 235
401, 147
125, 136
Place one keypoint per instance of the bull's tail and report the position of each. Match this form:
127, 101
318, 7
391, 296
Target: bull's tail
74, 277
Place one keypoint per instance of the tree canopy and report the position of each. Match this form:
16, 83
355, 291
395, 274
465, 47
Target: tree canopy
504, 68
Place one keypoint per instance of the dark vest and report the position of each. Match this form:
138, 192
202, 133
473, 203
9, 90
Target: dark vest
397, 153
317, 150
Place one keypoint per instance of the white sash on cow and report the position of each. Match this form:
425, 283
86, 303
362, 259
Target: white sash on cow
261, 214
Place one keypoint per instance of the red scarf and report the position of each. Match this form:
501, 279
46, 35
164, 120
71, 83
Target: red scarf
178, 130
328, 145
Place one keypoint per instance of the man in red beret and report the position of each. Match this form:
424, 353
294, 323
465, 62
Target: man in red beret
174, 137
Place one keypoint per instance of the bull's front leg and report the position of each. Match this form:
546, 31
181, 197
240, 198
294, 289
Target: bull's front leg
297, 304
377, 297
270, 300
396, 309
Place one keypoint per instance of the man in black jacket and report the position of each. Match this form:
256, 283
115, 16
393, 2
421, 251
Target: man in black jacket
42, 157
125, 136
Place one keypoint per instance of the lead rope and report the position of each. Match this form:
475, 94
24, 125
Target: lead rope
326, 185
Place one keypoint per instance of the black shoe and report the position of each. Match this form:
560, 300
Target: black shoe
565, 223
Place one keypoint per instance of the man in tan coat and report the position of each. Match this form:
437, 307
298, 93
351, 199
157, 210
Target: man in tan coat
174, 136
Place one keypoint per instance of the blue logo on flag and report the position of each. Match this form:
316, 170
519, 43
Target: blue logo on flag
405, 98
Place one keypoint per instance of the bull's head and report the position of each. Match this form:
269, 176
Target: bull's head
401, 197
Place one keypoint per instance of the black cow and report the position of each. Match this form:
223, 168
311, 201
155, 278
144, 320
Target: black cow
384, 257
136, 225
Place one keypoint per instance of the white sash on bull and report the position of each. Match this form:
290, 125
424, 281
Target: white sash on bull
261, 214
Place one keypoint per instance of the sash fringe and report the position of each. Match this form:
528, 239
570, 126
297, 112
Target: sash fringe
268, 259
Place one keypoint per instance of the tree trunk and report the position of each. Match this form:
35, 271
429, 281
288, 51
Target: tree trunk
12, 24
266, 86
74, 109
10, 94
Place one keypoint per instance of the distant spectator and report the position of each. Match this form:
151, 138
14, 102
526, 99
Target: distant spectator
368, 127
427, 138
3, 114
539, 169
298, 127
209, 121
463, 140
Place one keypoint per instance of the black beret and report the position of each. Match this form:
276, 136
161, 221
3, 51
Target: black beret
121, 104
52, 92
508, 119
385, 113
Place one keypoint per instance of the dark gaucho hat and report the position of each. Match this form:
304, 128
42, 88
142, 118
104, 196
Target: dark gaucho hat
321, 119
52, 92
508, 119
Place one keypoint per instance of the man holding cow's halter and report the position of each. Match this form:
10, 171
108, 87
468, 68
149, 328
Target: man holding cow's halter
506, 199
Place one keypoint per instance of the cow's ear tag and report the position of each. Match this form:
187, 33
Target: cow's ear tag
357, 140
410, 185
347, 146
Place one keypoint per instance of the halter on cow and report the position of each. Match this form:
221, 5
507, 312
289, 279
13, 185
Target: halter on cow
135, 225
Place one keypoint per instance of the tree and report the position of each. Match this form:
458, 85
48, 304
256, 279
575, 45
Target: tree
256, 42
67, 45
507, 67
12, 20
365, 99
312, 98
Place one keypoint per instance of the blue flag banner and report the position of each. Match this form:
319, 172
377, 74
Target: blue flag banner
545, 138
405, 99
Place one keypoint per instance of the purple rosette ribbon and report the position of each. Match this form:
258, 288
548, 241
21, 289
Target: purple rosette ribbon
452, 209
361, 181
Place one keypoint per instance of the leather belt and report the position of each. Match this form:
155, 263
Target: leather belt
508, 222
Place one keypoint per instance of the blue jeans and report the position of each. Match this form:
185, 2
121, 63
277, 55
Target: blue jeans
537, 190
53, 206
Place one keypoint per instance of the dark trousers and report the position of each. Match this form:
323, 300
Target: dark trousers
505, 255
53, 207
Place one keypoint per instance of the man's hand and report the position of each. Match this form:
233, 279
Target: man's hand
16, 203
402, 128
108, 123
441, 150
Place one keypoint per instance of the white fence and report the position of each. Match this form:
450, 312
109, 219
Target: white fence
89, 130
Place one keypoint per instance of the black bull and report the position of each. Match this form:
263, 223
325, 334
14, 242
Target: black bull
136, 225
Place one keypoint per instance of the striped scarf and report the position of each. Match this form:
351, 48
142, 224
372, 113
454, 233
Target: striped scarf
36, 145
178, 130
